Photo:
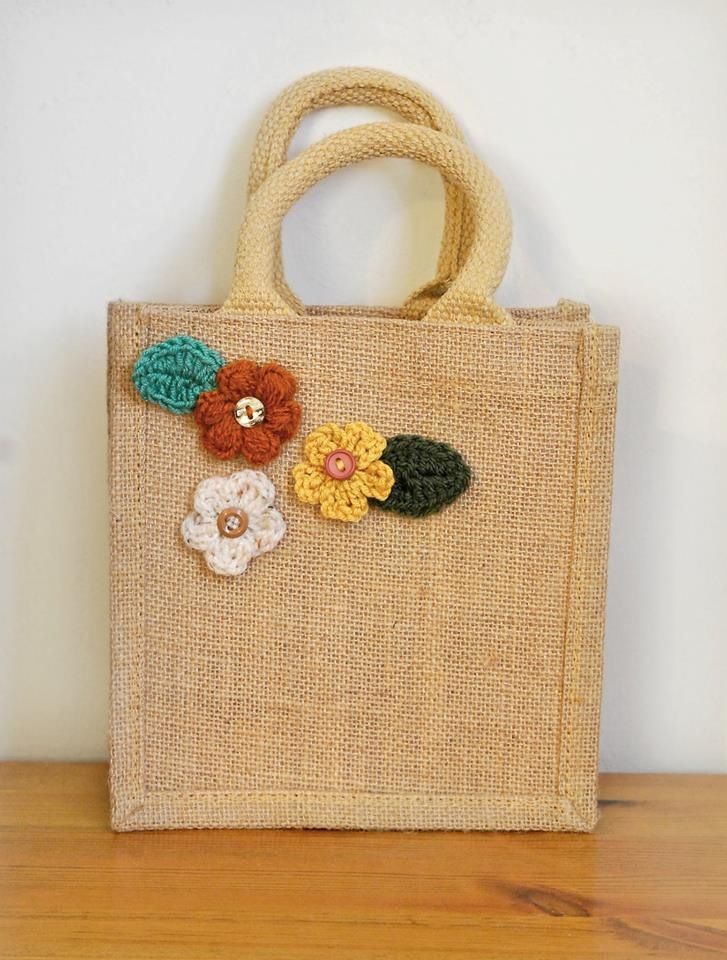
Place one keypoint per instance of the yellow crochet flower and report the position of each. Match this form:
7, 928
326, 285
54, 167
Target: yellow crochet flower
342, 470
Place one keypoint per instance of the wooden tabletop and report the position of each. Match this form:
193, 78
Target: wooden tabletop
650, 882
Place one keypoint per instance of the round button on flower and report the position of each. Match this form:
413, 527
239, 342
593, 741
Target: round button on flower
340, 465
234, 521
252, 412
342, 470
249, 411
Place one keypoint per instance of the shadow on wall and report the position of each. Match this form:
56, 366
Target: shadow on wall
660, 647
58, 661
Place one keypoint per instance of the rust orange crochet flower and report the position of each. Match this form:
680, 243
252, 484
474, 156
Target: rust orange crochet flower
251, 413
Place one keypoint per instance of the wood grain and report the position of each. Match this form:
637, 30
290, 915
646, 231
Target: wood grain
650, 882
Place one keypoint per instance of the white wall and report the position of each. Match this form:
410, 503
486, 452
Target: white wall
125, 130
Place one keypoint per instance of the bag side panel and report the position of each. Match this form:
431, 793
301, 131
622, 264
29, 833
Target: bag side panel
578, 778
126, 450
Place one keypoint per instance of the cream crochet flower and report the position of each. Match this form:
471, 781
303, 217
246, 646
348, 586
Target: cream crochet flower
234, 521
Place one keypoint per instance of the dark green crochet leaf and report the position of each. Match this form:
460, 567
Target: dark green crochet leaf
428, 475
175, 372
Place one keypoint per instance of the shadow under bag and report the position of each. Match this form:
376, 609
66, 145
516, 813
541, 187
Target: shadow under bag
359, 555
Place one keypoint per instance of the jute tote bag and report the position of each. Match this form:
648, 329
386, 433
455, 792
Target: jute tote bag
417, 668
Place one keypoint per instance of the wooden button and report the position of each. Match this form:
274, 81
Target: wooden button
232, 523
340, 465
249, 411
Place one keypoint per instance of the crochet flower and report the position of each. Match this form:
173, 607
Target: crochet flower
251, 413
342, 470
234, 521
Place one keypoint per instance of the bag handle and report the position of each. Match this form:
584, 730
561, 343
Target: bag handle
360, 86
469, 297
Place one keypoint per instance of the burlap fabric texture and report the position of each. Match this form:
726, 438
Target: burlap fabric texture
398, 673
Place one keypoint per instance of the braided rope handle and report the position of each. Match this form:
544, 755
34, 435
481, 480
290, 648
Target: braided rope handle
364, 86
469, 296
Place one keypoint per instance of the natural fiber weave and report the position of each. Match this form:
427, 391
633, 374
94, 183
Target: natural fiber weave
437, 673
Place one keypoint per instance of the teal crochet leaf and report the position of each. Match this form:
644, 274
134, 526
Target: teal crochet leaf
175, 372
428, 475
